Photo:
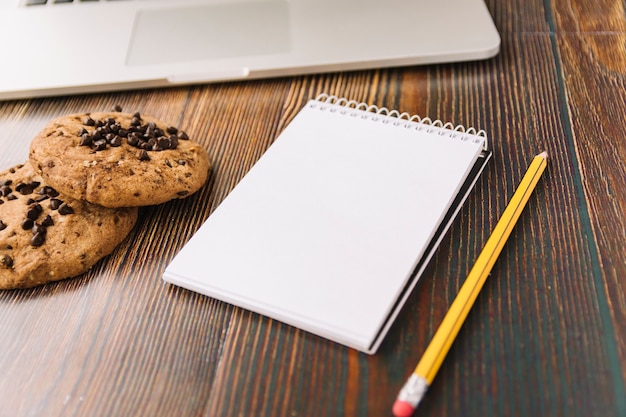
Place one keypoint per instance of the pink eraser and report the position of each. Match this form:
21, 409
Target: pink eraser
402, 409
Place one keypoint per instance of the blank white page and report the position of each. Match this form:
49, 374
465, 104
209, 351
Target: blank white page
325, 230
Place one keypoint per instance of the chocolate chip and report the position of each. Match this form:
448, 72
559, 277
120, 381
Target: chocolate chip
51, 191
25, 189
55, 203
11, 197
99, 145
38, 228
47, 221
27, 224
2, 225
65, 209
163, 143
143, 155
5, 190
172, 130
133, 139
116, 141
38, 239
89, 121
182, 135
34, 211
86, 139
6, 260
117, 108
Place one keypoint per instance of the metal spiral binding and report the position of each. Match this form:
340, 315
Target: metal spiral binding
394, 117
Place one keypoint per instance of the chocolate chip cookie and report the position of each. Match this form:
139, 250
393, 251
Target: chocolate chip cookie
47, 236
118, 159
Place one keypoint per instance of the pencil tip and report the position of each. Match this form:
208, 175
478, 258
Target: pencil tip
544, 155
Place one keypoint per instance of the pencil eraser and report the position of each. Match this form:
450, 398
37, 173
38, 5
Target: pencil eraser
402, 409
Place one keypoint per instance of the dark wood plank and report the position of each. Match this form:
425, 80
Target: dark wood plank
592, 52
596, 102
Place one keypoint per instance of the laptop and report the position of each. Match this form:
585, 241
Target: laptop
59, 47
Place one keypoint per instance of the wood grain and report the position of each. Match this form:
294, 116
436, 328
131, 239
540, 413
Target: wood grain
546, 336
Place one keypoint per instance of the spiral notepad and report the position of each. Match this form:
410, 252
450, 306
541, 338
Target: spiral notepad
333, 226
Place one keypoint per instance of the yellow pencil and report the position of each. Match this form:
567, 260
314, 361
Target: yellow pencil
417, 384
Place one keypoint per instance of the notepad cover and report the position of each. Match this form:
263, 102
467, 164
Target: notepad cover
331, 228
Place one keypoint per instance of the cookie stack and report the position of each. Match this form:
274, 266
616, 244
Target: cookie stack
77, 196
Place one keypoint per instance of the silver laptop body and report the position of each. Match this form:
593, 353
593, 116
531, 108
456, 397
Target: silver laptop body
65, 47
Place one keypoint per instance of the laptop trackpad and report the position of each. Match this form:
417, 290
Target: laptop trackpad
215, 31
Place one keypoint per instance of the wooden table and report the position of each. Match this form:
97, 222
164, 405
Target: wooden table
547, 336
